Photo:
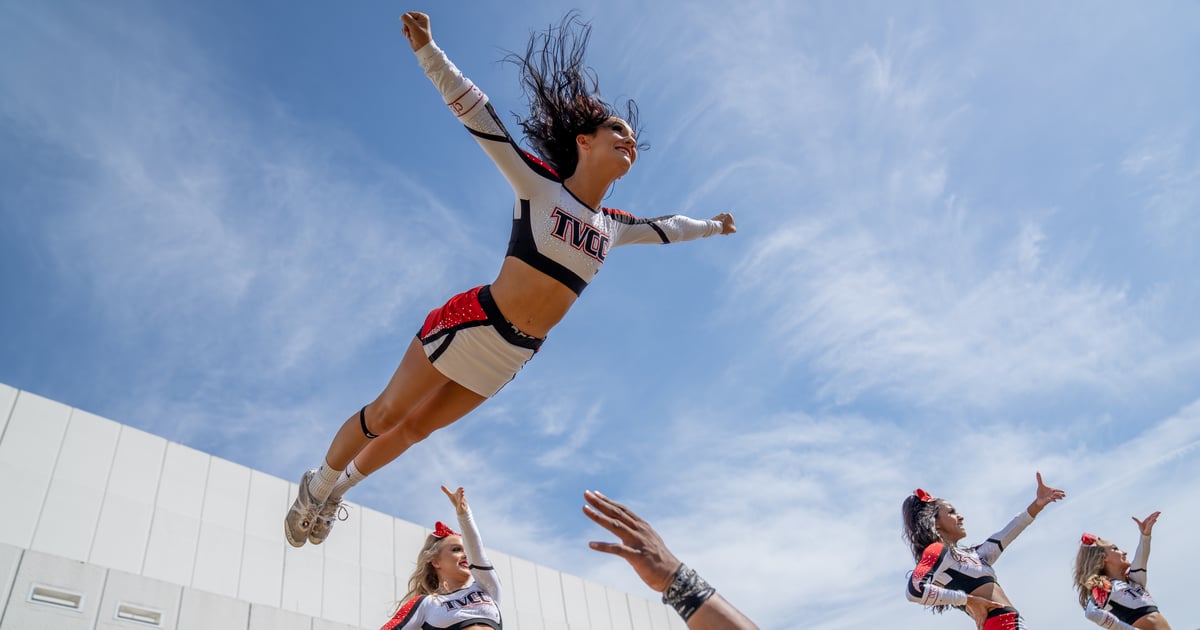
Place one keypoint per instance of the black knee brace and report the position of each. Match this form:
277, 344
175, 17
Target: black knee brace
362, 420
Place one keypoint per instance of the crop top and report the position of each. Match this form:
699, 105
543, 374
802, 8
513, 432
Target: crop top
553, 231
945, 576
1124, 601
476, 603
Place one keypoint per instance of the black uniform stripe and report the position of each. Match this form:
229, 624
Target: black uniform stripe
534, 165
521, 245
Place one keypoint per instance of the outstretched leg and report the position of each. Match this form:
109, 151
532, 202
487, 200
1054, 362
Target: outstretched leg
416, 384
449, 403
414, 381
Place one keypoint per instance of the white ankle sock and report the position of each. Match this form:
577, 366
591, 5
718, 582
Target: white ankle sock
322, 482
347, 480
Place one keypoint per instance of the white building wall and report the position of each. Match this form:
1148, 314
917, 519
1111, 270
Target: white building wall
200, 610
53, 592
10, 559
123, 529
29, 450
175, 527
135, 601
71, 513
378, 585
261, 557
123, 532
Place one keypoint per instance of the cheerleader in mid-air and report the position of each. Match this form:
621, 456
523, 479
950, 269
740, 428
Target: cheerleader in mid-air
472, 346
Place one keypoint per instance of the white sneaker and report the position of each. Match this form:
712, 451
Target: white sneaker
299, 520
332, 510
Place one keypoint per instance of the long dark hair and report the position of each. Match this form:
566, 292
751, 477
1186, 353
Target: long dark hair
920, 524
563, 93
920, 527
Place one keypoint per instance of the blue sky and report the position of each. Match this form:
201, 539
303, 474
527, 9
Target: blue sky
965, 253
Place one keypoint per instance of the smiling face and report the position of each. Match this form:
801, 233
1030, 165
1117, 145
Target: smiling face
949, 522
451, 561
1115, 562
622, 136
611, 148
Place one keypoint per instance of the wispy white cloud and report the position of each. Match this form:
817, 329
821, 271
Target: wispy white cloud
891, 281
254, 250
810, 506
1167, 174
572, 428
948, 329
246, 257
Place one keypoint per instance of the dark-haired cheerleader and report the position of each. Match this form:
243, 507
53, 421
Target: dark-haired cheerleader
472, 346
963, 577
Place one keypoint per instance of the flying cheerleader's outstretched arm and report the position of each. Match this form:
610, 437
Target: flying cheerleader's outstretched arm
524, 172
698, 603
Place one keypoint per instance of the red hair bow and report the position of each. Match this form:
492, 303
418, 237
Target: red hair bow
441, 531
923, 496
1087, 540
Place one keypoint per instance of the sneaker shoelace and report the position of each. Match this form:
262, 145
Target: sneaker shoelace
336, 509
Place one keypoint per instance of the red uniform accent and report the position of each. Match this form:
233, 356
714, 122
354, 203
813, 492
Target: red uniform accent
536, 160
403, 614
1007, 621
928, 560
536, 237
461, 309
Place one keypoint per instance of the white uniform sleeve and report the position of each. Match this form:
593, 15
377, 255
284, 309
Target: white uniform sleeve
523, 172
990, 550
933, 595
1103, 618
1137, 569
481, 568
922, 590
668, 229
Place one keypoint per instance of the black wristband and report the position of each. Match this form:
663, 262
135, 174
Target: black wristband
687, 592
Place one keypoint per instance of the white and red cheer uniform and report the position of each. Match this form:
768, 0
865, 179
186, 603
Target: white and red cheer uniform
552, 231
477, 603
945, 576
1124, 601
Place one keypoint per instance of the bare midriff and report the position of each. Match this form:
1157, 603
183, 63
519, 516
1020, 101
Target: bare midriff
1153, 621
529, 299
990, 591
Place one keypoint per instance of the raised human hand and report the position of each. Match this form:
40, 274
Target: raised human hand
1047, 495
726, 219
640, 545
1147, 524
458, 499
416, 29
